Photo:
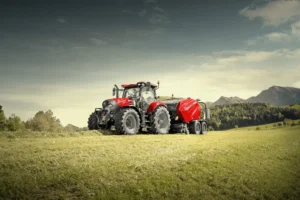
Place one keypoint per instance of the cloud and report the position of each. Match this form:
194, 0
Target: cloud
151, 1
296, 28
245, 57
274, 13
134, 33
275, 37
159, 19
61, 20
159, 16
142, 13
252, 42
292, 35
127, 12
158, 9
98, 41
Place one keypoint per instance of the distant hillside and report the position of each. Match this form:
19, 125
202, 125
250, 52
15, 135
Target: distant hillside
278, 96
250, 114
228, 100
275, 95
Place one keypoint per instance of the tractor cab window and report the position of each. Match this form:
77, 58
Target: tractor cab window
147, 96
131, 93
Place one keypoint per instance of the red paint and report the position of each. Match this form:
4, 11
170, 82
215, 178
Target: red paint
128, 85
153, 105
123, 102
188, 110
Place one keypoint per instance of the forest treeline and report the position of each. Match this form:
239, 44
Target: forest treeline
249, 114
42, 121
222, 117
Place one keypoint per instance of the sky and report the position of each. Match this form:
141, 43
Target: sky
67, 55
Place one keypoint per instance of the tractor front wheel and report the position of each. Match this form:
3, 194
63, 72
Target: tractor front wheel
127, 121
160, 121
92, 122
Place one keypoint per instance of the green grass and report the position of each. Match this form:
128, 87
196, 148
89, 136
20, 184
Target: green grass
234, 164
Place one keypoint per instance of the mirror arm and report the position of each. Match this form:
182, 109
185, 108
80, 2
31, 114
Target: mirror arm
117, 91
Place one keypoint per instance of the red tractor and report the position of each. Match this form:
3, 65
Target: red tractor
136, 107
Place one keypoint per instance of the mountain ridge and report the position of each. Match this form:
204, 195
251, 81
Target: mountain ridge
274, 95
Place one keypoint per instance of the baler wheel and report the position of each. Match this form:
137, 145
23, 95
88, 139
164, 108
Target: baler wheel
203, 128
195, 127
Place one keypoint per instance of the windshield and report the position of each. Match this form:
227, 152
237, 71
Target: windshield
148, 96
131, 92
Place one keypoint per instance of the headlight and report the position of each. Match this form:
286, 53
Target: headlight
111, 103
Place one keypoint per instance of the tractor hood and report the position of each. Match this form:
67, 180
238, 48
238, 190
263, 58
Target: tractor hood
122, 102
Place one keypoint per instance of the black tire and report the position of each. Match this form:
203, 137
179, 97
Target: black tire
160, 121
127, 121
203, 128
195, 127
92, 122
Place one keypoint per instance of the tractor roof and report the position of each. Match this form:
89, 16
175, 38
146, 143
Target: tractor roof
133, 85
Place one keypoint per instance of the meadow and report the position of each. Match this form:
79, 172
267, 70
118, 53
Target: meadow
242, 163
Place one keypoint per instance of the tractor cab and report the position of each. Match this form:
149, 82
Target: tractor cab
142, 94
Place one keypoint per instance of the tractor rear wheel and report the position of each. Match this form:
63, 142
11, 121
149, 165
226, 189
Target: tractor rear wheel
195, 127
92, 122
127, 121
204, 128
160, 121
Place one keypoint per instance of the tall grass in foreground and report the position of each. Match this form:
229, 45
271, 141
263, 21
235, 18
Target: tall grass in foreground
234, 164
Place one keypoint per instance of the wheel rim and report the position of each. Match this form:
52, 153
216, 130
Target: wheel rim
130, 122
162, 120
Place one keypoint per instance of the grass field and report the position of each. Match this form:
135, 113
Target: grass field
234, 164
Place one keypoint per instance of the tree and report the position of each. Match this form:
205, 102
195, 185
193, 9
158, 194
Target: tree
14, 123
44, 121
2, 119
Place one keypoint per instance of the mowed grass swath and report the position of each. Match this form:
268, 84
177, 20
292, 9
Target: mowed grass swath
234, 164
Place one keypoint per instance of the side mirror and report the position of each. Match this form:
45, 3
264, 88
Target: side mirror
207, 113
114, 92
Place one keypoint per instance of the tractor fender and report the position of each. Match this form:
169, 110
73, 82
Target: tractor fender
154, 105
